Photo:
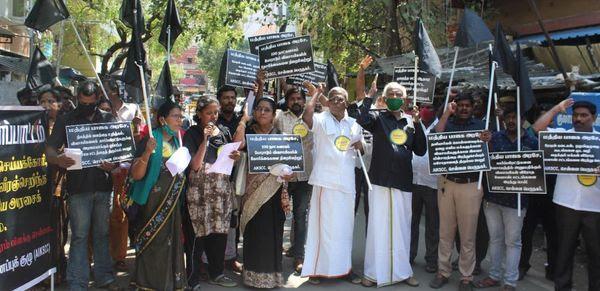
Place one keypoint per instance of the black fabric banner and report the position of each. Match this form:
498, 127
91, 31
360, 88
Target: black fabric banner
517, 172
265, 150
570, 152
287, 57
457, 152
111, 142
25, 230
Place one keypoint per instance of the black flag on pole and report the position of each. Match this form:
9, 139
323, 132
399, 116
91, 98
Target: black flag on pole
472, 30
171, 23
428, 58
332, 76
136, 55
164, 87
502, 52
46, 13
521, 77
222, 70
40, 70
131, 15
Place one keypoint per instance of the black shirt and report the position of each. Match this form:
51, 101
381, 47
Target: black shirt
230, 124
469, 125
91, 179
195, 136
391, 164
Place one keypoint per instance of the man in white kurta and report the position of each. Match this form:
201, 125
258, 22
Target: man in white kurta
328, 251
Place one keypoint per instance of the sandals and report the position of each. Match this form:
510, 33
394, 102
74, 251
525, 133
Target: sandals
223, 281
487, 282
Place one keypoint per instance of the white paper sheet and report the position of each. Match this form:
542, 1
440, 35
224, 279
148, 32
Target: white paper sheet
179, 161
74, 154
224, 164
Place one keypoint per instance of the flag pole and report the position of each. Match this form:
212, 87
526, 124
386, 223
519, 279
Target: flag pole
60, 46
456, 49
497, 118
145, 97
519, 141
88, 57
364, 168
169, 44
415, 82
487, 115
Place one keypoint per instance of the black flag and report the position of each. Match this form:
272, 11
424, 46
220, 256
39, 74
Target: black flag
40, 71
46, 13
164, 87
222, 70
472, 30
136, 55
428, 58
172, 24
131, 15
521, 77
332, 76
502, 52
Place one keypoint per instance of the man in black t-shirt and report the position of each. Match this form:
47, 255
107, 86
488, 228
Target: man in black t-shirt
89, 192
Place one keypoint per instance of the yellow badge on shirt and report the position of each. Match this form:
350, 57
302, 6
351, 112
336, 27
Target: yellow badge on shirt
587, 180
342, 143
300, 129
167, 150
398, 136
219, 150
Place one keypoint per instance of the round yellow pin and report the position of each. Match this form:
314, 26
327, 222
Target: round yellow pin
300, 129
587, 180
167, 150
342, 143
398, 136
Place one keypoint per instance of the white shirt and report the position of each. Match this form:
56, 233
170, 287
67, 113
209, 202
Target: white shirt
333, 168
569, 193
128, 112
285, 121
420, 164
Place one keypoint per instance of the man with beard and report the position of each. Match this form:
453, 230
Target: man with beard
89, 195
227, 97
577, 203
459, 200
290, 122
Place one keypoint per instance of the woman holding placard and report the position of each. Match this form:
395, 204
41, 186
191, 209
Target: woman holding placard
209, 194
155, 193
263, 209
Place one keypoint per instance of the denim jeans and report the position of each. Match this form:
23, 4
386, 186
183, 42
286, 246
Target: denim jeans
300, 193
89, 209
504, 226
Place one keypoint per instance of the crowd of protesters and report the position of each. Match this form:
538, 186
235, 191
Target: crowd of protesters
185, 229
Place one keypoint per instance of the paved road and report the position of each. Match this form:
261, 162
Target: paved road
535, 280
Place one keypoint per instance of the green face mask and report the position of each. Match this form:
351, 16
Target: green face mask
169, 131
394, 104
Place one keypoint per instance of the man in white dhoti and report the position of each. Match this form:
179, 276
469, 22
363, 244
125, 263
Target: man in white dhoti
396, 135
328, 251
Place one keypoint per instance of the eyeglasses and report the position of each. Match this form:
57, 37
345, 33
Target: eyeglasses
177, 116
263, 110
337, 100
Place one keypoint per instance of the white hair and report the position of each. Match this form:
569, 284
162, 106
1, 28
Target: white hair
393, 85
338, 89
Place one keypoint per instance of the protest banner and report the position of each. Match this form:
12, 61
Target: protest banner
405, 76
241, 69
517, 172
265, 150
565, 119
316, 77
569, 152
26, 233
287, 57
258, 40
101, 142
457, 152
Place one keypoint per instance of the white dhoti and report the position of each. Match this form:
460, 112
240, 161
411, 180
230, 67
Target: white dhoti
387, 250
328, 251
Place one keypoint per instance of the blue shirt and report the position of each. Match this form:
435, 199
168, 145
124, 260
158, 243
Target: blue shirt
501, 143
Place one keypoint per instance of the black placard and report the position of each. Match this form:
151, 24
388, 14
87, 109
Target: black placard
241, 69
256, 41
425, 83
316, 77
26, 233
457, 152
517, 172
287, 57
265, 150
570, 152
110, 142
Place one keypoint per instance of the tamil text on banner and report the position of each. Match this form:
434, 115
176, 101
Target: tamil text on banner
565, 119
241, 69
405, 76
101, 142
256, 41
316, 77
287, 57
265, 150
517, 172
457, 152
25, 229
569, 152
